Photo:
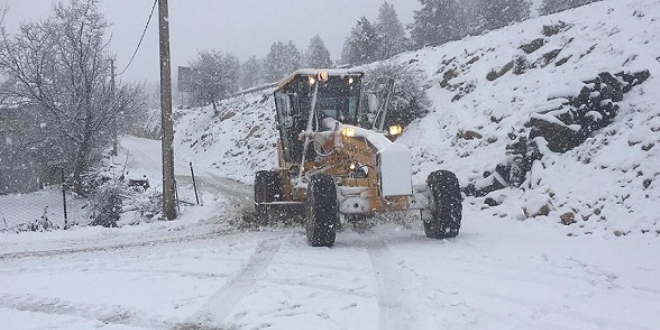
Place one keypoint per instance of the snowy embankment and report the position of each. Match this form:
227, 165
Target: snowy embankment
610, 183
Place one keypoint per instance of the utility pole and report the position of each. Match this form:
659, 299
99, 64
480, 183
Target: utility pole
169, 200
114, 120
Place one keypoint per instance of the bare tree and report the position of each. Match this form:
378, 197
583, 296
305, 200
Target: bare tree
215, 76
61, 66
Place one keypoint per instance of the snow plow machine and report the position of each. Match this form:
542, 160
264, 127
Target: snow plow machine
335, 167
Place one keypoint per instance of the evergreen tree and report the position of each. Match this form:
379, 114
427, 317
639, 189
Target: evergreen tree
392, 31
365, 45
437, 22
553, 6
317, 56
283, 58
252, 72
498, 13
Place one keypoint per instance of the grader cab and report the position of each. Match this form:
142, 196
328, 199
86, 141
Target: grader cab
335, 167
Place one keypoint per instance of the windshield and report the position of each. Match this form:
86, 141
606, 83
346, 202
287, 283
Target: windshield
338, 98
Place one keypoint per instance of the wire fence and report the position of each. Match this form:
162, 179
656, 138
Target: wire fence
42, 210
52, 208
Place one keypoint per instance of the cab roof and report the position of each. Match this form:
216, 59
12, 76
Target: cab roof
310, 72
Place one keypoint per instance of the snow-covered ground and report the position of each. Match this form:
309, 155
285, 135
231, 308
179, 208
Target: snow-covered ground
503, 271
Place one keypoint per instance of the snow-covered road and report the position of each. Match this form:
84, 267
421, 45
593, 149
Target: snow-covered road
497, 274
199, 273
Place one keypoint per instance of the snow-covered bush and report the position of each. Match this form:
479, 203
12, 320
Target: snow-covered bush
409, 100
107, 203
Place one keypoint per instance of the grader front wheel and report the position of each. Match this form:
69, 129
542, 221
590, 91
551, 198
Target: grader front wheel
321, 211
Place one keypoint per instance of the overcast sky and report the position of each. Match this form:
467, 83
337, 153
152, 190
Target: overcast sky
242, 27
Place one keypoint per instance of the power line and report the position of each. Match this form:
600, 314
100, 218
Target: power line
141, 38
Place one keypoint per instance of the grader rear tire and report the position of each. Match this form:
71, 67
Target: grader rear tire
446, 205
321, 211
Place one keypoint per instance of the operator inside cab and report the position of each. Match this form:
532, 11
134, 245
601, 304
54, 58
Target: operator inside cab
337, 97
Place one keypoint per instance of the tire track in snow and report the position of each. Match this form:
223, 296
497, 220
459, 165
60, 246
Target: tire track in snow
222, 303
391, 288
114, 247
107, 314
541, 313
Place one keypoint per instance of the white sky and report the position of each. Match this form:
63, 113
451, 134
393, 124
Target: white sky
242, 27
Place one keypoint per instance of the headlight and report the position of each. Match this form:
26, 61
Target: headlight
396, 129
311, 80
323, 76
348, 131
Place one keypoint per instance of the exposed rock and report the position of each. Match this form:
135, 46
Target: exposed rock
560, 137
593, 108
533, 46
633, 79
551, 55
551, 30
647, 183
564, 125
227, 115
449, 75
469, 135
494, 74
491, 75
491, 201
252, 131
520, 65
544, 210
563, 60
567, 218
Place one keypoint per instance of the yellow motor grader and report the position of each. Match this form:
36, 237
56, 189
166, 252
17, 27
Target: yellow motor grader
336, 168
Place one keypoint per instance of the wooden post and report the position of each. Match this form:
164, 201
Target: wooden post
169, 198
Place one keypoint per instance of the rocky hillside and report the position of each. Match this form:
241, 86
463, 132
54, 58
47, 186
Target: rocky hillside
556, 119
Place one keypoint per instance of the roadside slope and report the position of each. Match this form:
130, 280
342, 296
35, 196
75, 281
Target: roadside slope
473, 89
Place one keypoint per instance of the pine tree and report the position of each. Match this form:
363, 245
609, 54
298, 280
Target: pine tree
498, 13
554, 6
282, 59
365, 45
437, 22
392, 31
317, 56
252, 72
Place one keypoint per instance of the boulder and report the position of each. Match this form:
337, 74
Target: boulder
560, 137
533, 46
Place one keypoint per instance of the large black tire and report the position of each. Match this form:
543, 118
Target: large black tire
267, 189
446, 205
321, 211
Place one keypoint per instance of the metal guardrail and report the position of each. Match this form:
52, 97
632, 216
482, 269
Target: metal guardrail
255, 89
